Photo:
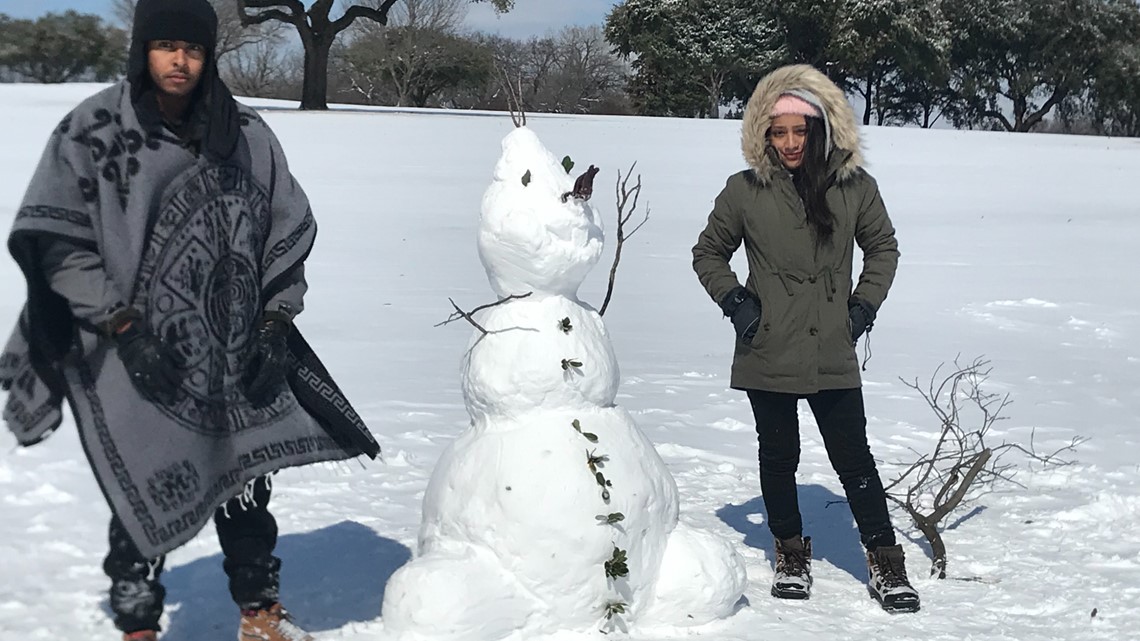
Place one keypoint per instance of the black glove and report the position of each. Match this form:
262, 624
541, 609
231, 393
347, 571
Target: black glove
744, 310
150, 363
268, 359
862, 317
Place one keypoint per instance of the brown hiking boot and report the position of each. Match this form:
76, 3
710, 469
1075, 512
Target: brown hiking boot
887, 581
141, 635
793, 568
271, 624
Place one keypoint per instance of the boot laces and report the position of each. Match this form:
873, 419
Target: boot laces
793, 561
893, 570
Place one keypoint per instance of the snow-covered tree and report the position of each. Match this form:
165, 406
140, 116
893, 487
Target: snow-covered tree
61, 47
684, 51
1014, 61
890, 51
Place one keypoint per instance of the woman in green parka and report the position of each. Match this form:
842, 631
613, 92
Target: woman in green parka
799, 210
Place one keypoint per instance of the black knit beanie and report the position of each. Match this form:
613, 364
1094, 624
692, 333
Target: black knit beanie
191, 21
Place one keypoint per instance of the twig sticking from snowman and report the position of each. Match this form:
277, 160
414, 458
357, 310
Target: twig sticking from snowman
513, 92
470, 316
624, 193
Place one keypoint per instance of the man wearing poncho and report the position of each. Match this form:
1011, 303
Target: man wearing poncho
163, 241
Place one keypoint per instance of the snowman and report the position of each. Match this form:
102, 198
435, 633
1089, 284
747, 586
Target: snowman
552, 511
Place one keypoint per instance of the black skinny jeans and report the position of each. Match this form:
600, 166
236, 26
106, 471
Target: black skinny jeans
247, 536
843, 425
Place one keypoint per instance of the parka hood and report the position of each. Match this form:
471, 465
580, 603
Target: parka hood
810, 84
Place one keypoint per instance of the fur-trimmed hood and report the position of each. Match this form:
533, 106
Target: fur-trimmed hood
809, 83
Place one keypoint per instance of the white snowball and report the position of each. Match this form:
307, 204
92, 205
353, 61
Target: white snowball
529, 240
525, 492
518, 365
456, 593
702, 578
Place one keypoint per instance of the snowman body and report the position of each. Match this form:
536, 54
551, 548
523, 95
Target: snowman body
525, 508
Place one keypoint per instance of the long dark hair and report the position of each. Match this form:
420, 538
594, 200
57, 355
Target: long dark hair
812, 181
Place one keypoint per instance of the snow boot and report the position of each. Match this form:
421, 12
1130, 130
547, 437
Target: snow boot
887, 583
271, 624
793, 568
141, 635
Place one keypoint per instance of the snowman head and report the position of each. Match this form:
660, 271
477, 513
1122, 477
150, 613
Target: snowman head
530, 238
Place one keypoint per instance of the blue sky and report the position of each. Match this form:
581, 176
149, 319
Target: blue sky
528, 18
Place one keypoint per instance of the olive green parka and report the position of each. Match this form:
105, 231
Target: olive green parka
803, 344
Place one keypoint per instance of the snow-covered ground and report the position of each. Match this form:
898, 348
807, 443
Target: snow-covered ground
1021, 248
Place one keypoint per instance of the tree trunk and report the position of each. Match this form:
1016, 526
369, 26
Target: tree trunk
1020, 106
869, 95
317, 34
937, 546
715, 87
314, 91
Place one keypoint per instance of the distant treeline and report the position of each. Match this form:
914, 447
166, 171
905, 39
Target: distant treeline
1013, 65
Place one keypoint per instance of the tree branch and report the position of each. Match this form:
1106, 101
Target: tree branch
940, 512
623, 194
379, 15
1036, 117
275, 10
1000, 117
296, 7
469, 316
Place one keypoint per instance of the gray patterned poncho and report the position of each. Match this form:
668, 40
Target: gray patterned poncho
198, 246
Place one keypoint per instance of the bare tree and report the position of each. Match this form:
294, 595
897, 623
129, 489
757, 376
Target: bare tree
415, 57
437, 15
318, 31
963, 465
573, 72
262, 70
587, 70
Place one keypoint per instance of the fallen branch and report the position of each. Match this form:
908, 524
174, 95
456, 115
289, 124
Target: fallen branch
963, 466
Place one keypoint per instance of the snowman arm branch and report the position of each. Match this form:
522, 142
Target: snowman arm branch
623, 192
468, 316
459, 313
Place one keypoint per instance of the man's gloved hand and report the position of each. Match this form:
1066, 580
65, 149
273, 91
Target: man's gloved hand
150, 362
862, 317
268, 359
744, 310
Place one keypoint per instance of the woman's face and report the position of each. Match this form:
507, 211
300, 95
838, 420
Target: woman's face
788, 135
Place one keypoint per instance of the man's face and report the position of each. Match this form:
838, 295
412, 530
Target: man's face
175, 66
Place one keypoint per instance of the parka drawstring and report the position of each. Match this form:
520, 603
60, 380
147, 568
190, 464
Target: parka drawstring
866, 349
784, 282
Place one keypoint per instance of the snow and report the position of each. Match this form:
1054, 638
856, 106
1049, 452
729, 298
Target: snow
991, 227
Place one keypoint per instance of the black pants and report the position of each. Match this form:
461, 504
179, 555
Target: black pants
843, 425
247, 535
